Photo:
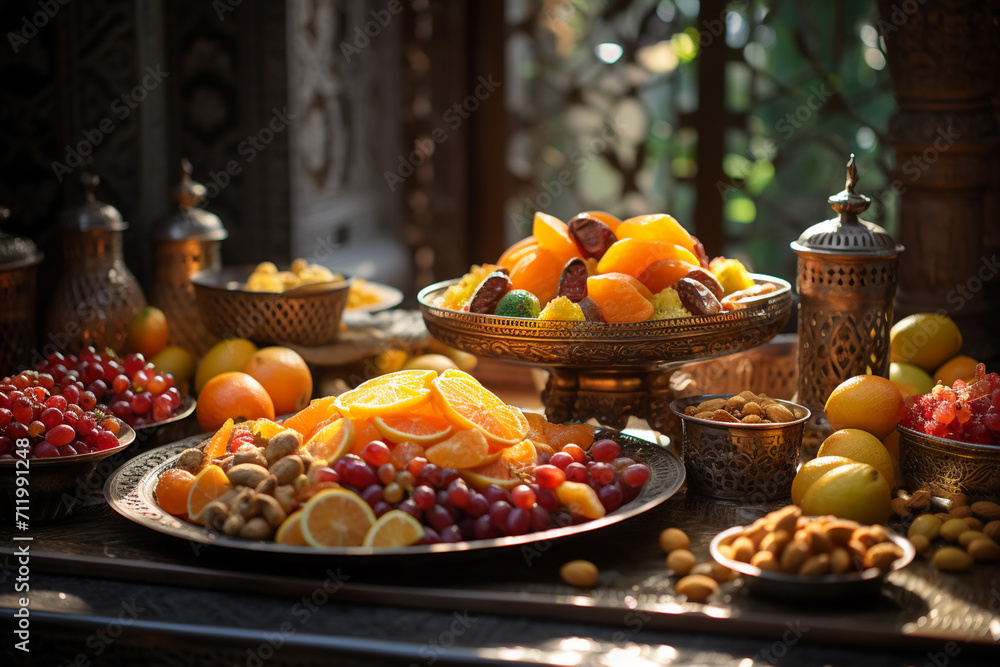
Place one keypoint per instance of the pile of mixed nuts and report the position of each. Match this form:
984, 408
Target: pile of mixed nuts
745, 407
266, 480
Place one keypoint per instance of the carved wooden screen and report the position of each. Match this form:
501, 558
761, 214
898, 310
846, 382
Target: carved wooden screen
736, 117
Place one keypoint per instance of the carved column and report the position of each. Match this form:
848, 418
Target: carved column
941, 56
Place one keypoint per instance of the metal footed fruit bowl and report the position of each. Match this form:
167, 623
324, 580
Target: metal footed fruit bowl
609, 370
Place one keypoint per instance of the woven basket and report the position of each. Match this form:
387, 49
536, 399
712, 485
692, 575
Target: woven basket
228, 310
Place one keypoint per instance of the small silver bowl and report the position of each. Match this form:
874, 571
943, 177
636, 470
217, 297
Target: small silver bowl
748, 462
948, 467
810, 589
55, 486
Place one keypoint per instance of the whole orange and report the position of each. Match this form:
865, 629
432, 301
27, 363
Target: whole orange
147, 332
285, 376
232, 395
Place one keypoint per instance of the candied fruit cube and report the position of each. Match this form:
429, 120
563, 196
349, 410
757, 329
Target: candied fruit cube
561, 308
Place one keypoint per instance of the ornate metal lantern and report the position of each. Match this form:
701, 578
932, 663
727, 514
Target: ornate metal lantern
97, 295
184, 243
19, 259
847, 275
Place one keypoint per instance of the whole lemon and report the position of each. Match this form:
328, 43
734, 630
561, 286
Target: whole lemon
925, 339
859, 446
854, 491
175, 360
225, 356
910, 379
867, 402
813, 470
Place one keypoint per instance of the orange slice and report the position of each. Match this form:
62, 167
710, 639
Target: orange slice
468, 404
290, 531
332, 441
497, 472
389, 394
560, 435
465, 449
266, 429
306, 419
521, 455
364, 432
336, 518
219, 444
405, 452
395, 528
208, 485
422, 429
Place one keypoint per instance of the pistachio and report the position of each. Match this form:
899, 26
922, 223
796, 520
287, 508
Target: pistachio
920, 543
952, 559
984, 549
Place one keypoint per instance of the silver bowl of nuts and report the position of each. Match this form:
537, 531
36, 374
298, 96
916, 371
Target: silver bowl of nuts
787, 555
740, 446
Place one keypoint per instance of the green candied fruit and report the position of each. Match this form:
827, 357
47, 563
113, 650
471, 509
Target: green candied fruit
667, 305
519, 303
562, 309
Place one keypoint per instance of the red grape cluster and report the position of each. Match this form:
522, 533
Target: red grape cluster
452, 511
32, 409
127, 387
964, 412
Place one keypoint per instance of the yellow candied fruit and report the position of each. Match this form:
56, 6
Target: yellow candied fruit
455, 296
667, 305
732, 274
561, 308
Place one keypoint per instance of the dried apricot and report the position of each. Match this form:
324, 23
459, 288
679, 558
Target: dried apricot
620, 297
633, 256
510, 256
657, 227
663, 273
553, 235
538, 272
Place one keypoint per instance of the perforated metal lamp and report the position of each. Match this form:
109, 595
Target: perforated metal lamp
847, 275
184, 243
97, 295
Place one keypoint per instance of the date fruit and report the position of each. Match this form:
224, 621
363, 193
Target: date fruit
573, 281
591, 311
593, 237
486, 297
708, 280
697, 298
699, 252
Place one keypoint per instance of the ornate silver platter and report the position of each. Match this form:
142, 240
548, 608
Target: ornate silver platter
130, 492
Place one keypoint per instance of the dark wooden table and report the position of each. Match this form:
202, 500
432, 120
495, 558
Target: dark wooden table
105, 591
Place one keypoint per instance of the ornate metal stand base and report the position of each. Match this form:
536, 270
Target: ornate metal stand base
609, 396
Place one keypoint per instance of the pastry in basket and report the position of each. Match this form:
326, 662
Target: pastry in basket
406, 458
597, 268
